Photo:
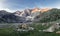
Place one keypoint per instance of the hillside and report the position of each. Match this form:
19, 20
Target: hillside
6, 17
51, 15
37, 26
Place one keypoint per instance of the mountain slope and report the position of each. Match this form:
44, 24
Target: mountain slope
11, 18
6, 17
51, 15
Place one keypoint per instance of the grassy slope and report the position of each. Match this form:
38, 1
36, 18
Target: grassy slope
11, 32
7, 32
37, 33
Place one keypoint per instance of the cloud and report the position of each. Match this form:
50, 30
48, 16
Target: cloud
8, 10
1, 0
3, 6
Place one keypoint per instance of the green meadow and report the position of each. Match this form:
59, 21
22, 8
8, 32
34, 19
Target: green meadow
12, 32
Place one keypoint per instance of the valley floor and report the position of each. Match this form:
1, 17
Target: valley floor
12, 32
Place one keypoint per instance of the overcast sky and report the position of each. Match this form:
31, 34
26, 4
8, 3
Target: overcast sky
13, 5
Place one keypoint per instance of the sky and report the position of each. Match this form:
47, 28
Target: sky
13, 5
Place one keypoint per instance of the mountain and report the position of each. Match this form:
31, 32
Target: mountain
6, 17
45, 10
51, 15
35, 10
11, 18
31, 12
40, 10
23, 13
3, 12
30, 15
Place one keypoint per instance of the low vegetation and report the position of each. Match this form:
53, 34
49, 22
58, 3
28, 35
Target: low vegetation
37, 26
50, 16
